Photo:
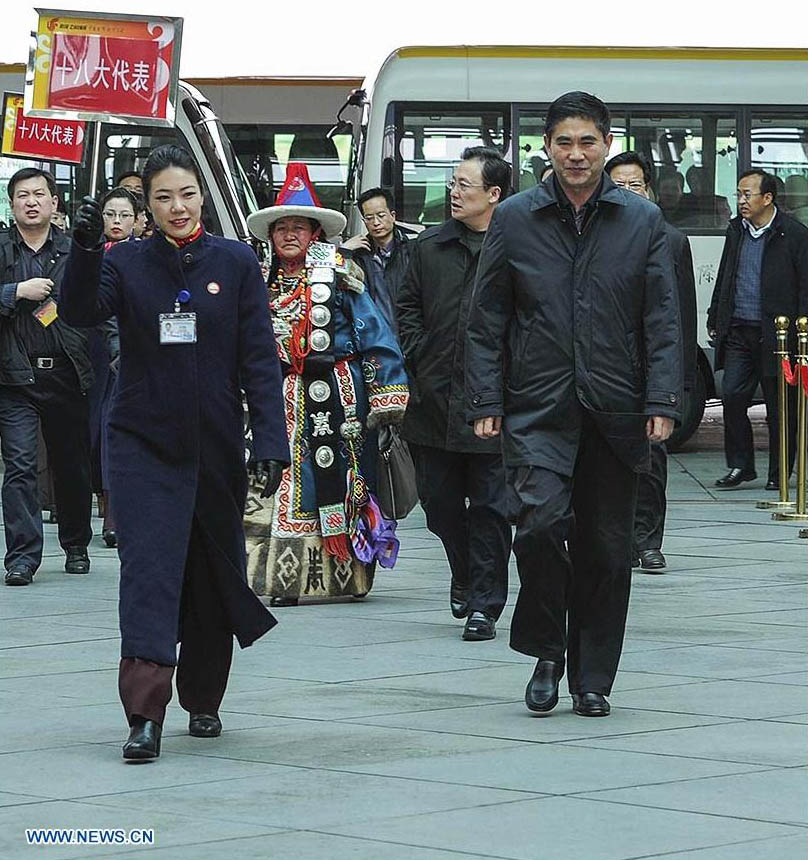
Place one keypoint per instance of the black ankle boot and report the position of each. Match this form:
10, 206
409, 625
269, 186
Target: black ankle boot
144, 740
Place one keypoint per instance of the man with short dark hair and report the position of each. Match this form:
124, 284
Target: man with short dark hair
763, 274
383, 252
573, 354
461, 479
132, 182
44, 373
630, 170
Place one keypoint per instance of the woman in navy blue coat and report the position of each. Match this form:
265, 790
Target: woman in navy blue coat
194, 330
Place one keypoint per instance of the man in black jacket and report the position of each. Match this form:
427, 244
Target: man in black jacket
383, 252
44, 373
573, 352
763, 274
461, 479
631, 171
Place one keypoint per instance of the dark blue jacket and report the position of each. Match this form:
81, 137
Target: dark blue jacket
176, 445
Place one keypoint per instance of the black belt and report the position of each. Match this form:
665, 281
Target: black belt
48, 362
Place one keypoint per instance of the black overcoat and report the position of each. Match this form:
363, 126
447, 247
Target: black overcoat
783, 285
434, 303
563, 323
176, 442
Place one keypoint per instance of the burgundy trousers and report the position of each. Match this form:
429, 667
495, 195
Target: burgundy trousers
206, 651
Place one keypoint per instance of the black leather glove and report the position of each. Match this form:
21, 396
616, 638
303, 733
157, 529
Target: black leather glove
268, 473
88, 224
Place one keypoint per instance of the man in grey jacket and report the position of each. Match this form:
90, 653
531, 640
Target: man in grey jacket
573, 353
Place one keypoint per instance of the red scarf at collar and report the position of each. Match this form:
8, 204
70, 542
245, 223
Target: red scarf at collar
181, 243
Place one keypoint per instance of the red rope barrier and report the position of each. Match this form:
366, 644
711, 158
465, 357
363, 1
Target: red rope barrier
792, 376
804, 372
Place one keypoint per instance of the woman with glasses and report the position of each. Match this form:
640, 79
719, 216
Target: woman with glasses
120, 209
343, 375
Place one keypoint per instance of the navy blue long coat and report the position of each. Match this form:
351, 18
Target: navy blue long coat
176, 444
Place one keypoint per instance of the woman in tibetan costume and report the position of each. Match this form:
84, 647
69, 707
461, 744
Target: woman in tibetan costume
322, 534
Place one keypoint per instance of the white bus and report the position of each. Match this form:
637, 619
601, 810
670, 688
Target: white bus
700, 115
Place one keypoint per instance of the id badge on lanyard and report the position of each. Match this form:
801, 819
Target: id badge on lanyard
180, 326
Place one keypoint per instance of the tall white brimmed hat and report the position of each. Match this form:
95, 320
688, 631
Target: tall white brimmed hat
297, 198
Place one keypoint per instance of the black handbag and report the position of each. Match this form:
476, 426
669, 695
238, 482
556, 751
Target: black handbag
396, 490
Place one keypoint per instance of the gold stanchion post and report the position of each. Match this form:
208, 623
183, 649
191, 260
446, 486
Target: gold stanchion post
799, 514
781, 327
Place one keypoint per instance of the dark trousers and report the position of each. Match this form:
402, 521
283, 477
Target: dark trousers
206, 652
652, 503
573, 550
743, 370
465, 499
56, 403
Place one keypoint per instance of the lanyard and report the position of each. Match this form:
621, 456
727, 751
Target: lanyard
183, 297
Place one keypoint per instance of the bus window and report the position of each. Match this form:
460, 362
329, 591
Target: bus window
533, 158
429, 146
265, 150
696, 162
780, 147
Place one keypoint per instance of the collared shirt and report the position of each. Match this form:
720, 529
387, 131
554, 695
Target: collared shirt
757, 232
580, 217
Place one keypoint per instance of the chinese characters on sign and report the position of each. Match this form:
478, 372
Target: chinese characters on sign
40, 139
110, 67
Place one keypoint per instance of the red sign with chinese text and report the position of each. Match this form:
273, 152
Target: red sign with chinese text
46, 139
51, 139
97, 74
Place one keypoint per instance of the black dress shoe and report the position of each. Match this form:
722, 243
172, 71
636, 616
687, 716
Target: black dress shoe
479, 626
19, 576
773, 484
283, 601
144, 740
542, 689
77, 560
735, 477
652, 560
110, 538
205, 725
459, 600
590, 705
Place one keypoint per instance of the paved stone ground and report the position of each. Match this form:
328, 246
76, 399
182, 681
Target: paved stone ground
370, 730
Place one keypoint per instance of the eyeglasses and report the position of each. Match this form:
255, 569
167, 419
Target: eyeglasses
462, 186
632, 186
376, 217
118, 216
748, 195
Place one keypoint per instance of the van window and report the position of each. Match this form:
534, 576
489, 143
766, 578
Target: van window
265, 150
780, 147
430, 142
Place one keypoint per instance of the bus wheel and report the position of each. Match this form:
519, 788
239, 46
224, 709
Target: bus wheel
695, 401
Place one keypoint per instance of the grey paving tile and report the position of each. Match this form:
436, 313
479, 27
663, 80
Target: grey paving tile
43, 660
326, 744
9, 798
778, 848
779, 796
97, 768
710, 661
273, 798
731, 699
302, 845
605, 831
515, 722
33, 632
169, 828
554, 768
756, 742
